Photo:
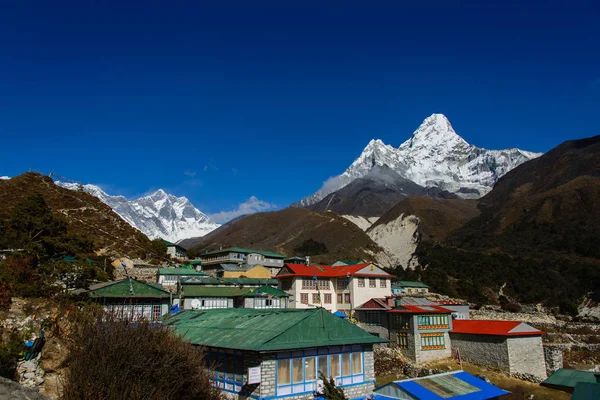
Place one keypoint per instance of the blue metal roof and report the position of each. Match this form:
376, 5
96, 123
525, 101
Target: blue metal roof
452, 385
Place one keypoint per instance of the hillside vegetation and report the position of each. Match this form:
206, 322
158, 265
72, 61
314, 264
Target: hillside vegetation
537, 236
289, 230
85, 214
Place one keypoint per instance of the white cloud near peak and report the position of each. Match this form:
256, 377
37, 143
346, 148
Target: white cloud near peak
250, 206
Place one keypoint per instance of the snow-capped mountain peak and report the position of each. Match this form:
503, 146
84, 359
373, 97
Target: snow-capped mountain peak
158, 215
434, 156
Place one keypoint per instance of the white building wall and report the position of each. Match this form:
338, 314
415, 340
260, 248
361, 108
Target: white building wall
360, 295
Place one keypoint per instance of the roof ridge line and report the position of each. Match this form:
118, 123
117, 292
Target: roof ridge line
289, 327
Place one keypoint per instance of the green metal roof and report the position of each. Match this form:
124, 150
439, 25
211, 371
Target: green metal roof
230, 281
267, 330
586, 391
409, 284
569, 378
235, 291
236, 249
120, 289
180, 271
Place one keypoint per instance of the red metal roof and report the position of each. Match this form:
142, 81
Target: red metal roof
424, 309
374, 304
327, 271
496, 328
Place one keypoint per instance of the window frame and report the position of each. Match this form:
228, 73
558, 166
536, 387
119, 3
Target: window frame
372, 283
304, 298
356, 372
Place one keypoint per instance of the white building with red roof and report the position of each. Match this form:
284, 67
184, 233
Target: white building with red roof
509, 346
340, 288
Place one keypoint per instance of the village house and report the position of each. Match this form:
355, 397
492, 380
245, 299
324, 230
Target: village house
278, 354
240, 256
132, 299
509, 346
409, 288
448, 385
174, 250
227, 270
419, 331
171, 276
200, 297
295, 260
334, 288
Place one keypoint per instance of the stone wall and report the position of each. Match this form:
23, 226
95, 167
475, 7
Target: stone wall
553, 356
526, 356
423, 356
489, 351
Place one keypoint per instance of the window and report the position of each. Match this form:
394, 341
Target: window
433, 321
298, 372
342, 283
372, 282
340, 298
327, 297
347, 298
304, 298
315, 298
361, 282
227, 370
402, 340
308, 283
372, 317
432, 341
323, 283
400, 321
212, 302
382, 282
265, 302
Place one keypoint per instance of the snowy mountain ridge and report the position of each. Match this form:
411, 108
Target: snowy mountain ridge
434, 156
158, 215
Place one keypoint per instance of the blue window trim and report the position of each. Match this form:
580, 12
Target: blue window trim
214, 374
283, 396
316, 353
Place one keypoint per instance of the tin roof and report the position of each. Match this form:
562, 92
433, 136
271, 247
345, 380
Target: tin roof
421, 309
267, 330
586, 391
121, 289
229, 281
373, 304
496, 328
179, 271
236, 249
409, 284
233, 291
449, 385
326, 271
569, 378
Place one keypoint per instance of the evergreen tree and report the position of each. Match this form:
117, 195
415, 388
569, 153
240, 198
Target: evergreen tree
330, 391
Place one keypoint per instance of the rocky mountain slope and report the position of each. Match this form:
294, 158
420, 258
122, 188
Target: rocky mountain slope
374, 194
159, 215
435, 156
85, 213
285, 230
536, 237
416, 219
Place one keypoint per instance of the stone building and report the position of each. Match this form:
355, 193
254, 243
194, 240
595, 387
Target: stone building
170, 277
132, 299
510, 346
419, 331
268, 354
409, 288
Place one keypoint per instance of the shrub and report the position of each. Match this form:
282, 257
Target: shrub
114, 359
10, 352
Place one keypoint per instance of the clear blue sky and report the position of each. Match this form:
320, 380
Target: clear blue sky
220, 101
